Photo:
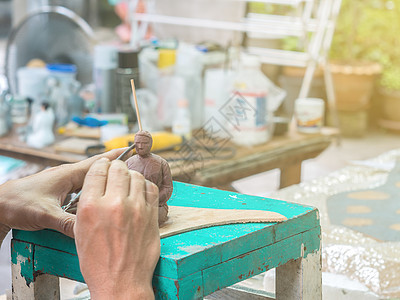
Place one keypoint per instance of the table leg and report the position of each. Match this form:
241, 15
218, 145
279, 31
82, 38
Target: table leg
26, 283
300, 279
290, 175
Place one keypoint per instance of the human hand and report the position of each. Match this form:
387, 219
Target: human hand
34, 202
116, 232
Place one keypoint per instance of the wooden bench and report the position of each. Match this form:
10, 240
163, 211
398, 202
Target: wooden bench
196, 263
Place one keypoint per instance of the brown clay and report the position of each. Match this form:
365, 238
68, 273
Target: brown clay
154, 168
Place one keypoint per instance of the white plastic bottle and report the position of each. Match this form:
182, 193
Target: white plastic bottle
248, 115
181, 124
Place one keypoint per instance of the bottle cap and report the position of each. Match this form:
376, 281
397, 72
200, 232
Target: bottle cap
128, 59
63, 68
166, 58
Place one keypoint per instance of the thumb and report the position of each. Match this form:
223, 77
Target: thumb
63, 222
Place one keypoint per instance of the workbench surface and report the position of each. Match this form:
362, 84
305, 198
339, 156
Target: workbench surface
201, 164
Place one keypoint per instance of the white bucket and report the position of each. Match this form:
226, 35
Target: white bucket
309, 113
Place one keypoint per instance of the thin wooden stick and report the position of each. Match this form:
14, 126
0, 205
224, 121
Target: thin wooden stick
136, 104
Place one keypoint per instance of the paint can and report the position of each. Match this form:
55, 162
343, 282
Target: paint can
309, 114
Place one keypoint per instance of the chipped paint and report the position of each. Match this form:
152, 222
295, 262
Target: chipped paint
21, 258
302, 250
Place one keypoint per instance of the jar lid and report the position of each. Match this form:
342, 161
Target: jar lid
166, 58
63, 68
128, 59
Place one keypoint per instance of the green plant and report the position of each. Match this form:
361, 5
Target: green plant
367, 30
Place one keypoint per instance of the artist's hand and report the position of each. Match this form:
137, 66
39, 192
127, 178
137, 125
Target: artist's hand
116, 232
34, 202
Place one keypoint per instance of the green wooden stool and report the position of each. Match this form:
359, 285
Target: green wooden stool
197, 263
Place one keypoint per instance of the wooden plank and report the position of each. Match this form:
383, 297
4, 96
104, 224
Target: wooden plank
290, 175
260, 260
83, 132
185, 219
50, 261
75, 145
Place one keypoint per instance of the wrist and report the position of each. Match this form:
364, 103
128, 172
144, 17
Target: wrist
133, 292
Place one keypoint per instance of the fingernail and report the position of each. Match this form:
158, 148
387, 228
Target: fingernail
104, 159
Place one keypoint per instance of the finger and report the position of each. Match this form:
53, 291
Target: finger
95, 181
118, 182
151, 194
137, 187
81, 168
63, 222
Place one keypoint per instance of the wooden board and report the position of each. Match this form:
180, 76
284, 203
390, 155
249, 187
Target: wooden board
75, 145
184, 219
83, 132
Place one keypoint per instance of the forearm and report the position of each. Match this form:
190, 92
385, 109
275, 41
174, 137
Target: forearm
4, 229
3, 232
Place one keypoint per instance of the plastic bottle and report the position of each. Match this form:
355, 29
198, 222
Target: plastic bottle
181, 124
104, 77
218, 85
189, 67
64, 75
170, 88
128, 68
249, 118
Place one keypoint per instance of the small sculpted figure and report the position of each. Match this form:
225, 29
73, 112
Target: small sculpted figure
42, 128
154, 168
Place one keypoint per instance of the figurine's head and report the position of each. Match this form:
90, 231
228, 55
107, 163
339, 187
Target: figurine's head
143, 142
45, 105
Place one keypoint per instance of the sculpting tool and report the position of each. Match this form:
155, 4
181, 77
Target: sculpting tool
136, 104
75, 199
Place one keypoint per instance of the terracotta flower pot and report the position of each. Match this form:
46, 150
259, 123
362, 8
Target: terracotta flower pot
389, 102
354, 84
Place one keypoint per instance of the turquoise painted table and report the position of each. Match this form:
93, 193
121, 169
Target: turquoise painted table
197, 263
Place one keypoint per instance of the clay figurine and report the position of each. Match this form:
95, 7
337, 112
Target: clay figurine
154, 168
42, 128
